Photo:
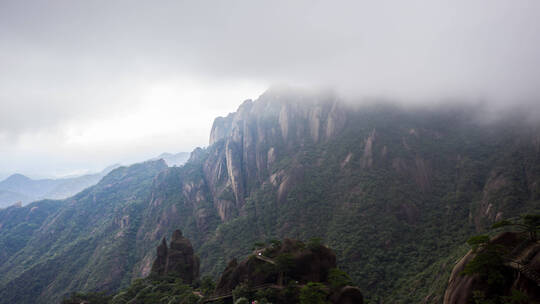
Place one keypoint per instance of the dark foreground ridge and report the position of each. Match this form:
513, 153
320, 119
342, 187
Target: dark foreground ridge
287, 271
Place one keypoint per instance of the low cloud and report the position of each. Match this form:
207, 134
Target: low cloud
86, 62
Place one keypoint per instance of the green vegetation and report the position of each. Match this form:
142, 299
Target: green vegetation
488, 262
338, 279
313, 293
207, 285
18, 224
491, 259
85, 243
396, 214
162, 290
91, 297
529, 223
242, 291
517, 297
398, 225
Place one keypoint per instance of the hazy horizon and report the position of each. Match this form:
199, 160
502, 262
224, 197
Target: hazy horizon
89, 84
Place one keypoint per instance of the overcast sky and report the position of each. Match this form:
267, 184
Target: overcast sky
85, 84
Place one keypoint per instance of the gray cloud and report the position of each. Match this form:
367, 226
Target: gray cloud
487, 48
65, 61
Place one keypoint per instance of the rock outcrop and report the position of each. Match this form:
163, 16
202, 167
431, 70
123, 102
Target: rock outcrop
522, 271
177, 260
244, 144
285, 263
160, 263
306, 265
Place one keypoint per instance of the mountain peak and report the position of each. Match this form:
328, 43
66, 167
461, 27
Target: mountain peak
17, 177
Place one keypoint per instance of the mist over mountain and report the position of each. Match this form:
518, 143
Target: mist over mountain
102, 83
176, 159
395, 192
332, 152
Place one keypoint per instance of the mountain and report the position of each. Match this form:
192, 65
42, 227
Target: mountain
26, 187
86, 234
395, 191
9, 197
176, 159
18, 224
19, 188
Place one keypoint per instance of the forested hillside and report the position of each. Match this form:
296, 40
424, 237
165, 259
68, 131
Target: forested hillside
395, 191
83, 242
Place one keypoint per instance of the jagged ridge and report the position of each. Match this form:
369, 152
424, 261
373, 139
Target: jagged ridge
393, 191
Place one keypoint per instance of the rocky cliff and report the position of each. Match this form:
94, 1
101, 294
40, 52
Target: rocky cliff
81, 243
395, 191
519, 275
380, 176
245, 145
177, 260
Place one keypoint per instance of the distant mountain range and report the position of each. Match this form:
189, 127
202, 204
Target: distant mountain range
20, 188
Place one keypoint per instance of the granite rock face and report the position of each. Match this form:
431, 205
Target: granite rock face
523, 278
177, 260
244, 144
160, 262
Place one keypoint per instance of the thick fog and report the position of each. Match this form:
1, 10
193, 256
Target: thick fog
84, 84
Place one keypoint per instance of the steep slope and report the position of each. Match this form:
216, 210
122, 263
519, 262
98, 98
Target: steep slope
17, 224
506, 267
396, 192
283, 272
177, 259
87, 243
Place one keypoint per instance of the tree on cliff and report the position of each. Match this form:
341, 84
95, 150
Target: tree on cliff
530, 223
488, 262
313, 293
